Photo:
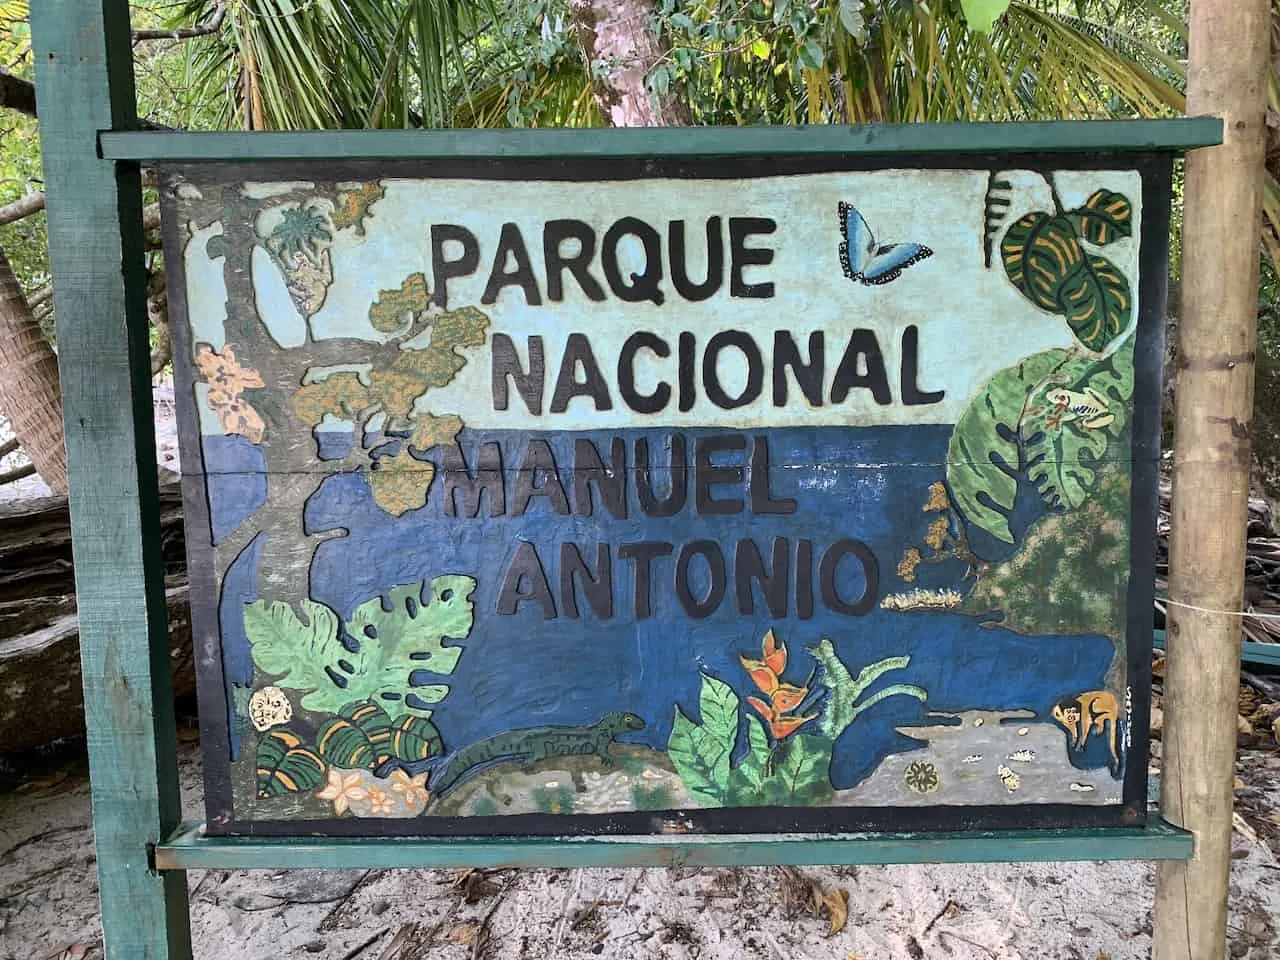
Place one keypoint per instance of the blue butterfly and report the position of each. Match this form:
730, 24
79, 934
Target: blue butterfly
862, 259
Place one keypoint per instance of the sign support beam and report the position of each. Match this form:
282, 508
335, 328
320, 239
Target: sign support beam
84, 72
1215, 358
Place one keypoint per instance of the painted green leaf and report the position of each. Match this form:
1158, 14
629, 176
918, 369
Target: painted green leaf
703, 771
1062, 454
345, 745
701, 751
893, 690
747, 780
405, 635
1105, 217
296, 649
286, 765
800, 770
1040, 252
408, 634
1043, 258
836, 716
413, 738
843, 705
359, 738
984, 458
1096, 302
718, 706
981, 15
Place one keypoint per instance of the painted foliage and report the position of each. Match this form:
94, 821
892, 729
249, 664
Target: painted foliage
529, 498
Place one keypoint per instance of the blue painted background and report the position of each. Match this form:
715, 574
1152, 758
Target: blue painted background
523, 670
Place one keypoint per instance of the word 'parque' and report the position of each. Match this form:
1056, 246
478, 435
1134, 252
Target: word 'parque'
571, 247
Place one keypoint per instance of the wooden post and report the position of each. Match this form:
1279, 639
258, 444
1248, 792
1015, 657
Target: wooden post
1215, 360
84, 82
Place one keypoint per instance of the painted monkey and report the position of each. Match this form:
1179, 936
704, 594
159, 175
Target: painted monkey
1093, 712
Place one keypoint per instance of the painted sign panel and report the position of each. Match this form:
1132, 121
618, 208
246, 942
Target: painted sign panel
770, 494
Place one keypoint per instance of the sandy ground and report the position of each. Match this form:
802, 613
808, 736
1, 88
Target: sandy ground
1008, 911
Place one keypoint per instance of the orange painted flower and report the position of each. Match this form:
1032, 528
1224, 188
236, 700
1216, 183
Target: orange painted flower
413, 790
938, 499
785, 726
788, 697
766, 674
227, 381
766, 680
342, 789
223, 371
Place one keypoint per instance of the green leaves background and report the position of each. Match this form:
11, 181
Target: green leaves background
1006, 433
1010, 430
795, 770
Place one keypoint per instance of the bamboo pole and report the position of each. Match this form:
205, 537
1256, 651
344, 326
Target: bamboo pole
1229, 47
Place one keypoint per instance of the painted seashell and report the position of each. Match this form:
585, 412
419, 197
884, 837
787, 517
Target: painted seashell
269, 707
1022, 756
1010, 779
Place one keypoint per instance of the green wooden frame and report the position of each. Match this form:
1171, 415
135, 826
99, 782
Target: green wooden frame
92, 155
941, 138
1157, 840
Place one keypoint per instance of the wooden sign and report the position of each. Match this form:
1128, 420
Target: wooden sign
764, 494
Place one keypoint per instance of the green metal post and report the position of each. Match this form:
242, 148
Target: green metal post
84, 82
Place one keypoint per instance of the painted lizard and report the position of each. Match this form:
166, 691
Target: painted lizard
532, 745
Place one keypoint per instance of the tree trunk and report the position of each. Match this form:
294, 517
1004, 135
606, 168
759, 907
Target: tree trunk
30, 394
1227, 77
615, 34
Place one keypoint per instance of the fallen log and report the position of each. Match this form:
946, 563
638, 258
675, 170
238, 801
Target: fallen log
41, 700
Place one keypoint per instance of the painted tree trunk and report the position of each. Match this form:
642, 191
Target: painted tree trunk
616, 34
30, 396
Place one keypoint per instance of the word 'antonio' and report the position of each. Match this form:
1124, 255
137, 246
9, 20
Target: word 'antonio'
690, 368
842, 576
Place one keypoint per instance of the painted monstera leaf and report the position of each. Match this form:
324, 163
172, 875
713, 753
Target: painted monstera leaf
1063, 448
1044, 258
403, 634
984, 457
296, 649
1050, 419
